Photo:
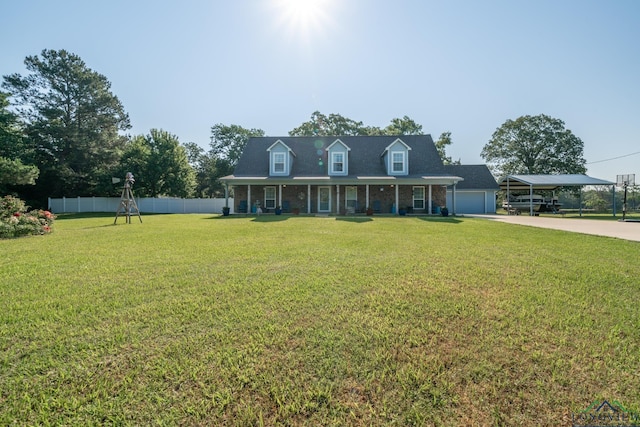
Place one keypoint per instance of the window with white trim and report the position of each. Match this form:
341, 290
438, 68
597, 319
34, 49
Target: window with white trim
270, 197
279, 162
418, 197
337, 162
397, 162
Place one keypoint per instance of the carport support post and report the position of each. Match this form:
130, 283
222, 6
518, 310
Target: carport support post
580, 201
508, 198
530, 199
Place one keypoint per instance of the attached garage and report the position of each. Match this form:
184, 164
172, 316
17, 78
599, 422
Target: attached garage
477, 193
472, 202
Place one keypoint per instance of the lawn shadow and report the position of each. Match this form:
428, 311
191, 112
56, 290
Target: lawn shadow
270, 218
445, 219
82, 215
356, 219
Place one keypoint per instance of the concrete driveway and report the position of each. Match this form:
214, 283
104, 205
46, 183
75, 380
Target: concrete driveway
621, 230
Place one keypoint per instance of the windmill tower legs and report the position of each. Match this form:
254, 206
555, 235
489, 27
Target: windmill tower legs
128, 206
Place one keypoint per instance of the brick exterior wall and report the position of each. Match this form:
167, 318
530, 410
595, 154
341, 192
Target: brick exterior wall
384, 194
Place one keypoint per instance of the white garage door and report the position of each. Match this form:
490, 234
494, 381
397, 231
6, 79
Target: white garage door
468, 202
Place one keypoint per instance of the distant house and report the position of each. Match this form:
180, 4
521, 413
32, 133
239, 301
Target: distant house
477, 193
345, 174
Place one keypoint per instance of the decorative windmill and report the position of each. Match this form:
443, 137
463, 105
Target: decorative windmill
127, 204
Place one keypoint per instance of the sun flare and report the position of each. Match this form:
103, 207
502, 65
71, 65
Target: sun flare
303, 17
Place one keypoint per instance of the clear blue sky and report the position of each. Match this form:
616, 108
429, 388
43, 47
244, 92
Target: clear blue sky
454, 65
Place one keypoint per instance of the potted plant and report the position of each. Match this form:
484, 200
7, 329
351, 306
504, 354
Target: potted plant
278, 210
369, 211
444, 211
225, 211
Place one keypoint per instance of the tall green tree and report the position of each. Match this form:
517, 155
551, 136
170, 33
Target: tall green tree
208, 169
72, 122
228, 141
441, 145
14, 172
403, 126
331, 125
159, 164
534, 145
13, 152
337, 125
227, 145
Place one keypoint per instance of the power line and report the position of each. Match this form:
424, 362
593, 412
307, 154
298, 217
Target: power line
613, 158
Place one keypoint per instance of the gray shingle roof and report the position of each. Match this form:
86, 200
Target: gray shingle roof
476, 177
365, 157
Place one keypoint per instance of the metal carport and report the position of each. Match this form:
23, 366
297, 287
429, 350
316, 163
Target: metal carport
548, 183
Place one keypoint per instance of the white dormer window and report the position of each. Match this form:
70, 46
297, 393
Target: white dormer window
338, 158
337, 162
398, 161
279, 160
396, 158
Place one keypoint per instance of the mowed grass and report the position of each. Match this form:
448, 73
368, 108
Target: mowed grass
207, 320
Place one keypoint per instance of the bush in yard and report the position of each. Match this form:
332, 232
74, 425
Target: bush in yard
15, 221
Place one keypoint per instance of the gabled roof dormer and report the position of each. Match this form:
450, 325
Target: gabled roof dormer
396, 158
280, 159
338, 158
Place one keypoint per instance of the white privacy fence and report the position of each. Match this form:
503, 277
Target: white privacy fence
145, 204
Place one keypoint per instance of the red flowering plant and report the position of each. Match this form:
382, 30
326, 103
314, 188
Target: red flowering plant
15, 221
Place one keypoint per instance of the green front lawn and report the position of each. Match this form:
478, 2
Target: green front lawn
208, 320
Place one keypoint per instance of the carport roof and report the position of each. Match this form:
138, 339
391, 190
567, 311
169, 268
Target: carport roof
549, 182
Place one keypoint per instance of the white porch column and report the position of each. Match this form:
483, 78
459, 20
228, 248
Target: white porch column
280, 195
430, 203
367, 198
397, 200
308, 198
249, 198
338, 198
453, 200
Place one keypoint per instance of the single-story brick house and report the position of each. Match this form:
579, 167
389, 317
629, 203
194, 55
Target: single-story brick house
345, 174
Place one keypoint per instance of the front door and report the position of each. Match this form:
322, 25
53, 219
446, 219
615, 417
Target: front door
351, 199
324, 199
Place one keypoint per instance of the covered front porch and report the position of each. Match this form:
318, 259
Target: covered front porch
426, 195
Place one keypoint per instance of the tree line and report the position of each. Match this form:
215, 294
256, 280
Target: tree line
62, 133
